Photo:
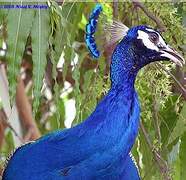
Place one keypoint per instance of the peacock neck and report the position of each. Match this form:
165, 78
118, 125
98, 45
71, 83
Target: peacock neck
123, 68
113, 126
122, 106
114, 123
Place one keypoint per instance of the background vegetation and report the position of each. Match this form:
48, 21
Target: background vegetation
36, 98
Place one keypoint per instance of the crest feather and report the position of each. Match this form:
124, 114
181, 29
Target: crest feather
117, 31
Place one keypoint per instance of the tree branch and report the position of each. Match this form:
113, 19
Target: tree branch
115, 9
158, 22
25, 112
156, 120
7, 124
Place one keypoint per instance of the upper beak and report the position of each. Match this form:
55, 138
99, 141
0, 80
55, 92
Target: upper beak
173, 55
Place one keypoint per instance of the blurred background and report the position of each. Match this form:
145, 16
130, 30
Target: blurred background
48, 80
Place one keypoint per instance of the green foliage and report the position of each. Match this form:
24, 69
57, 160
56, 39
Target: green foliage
183, 157
180, 126
19, 22
39, 35
59, 32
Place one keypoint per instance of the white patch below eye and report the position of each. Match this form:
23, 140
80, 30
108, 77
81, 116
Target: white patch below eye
146, 41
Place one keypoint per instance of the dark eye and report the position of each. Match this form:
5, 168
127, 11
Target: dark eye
153, 37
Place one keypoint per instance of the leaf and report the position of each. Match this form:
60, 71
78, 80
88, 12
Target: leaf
61, 107
40, 35
19, 23
176, 169
9, 141
56, 43
183, 157
89, 97
59, 45
3, 11
169, 118
180, 127
147, 158
56, 39
77, 92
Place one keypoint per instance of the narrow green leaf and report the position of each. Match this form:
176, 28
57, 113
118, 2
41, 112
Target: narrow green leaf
77, 92
183, 157
168, 118
19, 23
59, 45
147, 165
180, 127
3, 11
176, 169
10, 140
40, 35
55, 42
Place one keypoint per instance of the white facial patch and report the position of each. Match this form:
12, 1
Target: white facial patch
147, 42
161, 41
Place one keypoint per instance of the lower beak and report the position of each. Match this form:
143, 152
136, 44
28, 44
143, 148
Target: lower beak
173, 55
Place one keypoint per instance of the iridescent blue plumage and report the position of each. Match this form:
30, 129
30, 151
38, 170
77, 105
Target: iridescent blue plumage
91, 29
99, 148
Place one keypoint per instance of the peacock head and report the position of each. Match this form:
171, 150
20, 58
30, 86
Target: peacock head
138, 46
149, 46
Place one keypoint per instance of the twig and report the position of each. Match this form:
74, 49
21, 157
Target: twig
137, 14
156, 120
115, 9
158, 22
7, 124
162, 164
2, 126
155, 114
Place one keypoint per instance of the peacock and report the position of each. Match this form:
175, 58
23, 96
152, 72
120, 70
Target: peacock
99, 147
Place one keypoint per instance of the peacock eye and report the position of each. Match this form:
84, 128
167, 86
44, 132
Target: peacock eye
153, 37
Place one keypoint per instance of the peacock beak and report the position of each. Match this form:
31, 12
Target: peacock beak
173, 55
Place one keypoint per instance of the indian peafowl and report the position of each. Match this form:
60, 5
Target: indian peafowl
98, 148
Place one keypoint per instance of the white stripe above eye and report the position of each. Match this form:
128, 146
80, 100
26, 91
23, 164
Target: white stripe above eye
150, 30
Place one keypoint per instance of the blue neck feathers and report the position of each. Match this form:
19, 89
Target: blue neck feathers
116, 118
123, 67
